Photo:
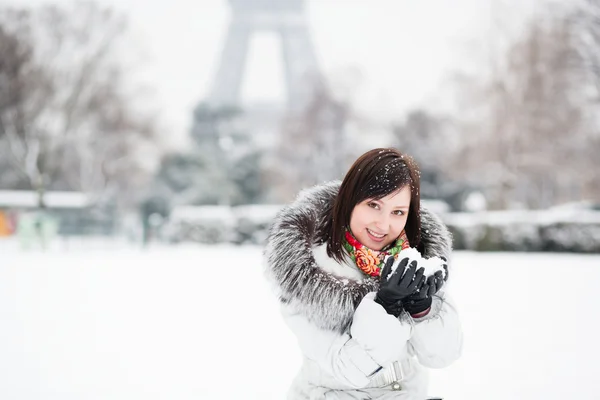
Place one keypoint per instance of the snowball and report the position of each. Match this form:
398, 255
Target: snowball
430, 265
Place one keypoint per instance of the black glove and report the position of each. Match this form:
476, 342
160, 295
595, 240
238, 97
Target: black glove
421, 300
392, 291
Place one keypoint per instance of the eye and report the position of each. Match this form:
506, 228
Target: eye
373, 205
398, 212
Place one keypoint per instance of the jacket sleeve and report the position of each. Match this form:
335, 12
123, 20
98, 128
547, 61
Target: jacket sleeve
375, 340
437, 339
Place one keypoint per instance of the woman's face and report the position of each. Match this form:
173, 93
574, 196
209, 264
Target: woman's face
377, 223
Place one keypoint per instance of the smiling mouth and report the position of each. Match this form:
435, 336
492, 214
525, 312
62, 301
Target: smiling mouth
376, 235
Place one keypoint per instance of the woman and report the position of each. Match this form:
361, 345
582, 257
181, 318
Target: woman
361, 339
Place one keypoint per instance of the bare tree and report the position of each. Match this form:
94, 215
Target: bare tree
23, 86
314, 146
428, 138
525, 142
585, 18
67, 113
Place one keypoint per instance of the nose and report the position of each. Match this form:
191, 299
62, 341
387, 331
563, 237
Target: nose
383, 223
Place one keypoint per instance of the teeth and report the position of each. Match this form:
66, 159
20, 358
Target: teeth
375, 234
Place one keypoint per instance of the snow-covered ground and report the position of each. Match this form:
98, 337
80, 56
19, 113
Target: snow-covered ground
201, 323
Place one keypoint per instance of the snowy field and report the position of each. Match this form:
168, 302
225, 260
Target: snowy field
200, 323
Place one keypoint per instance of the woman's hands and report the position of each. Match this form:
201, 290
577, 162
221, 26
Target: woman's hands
420, 301
403, 283
407, 288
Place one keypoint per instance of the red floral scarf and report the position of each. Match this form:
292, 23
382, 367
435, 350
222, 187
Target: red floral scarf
371, 261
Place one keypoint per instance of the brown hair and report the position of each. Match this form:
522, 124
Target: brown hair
374, 175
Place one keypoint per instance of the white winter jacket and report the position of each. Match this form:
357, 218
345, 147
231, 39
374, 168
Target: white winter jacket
352, 348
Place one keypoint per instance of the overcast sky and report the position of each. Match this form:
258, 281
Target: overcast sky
394, 54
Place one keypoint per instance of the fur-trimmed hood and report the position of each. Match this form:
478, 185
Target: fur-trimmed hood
326, 299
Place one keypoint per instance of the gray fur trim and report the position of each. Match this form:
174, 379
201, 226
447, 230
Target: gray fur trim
325, 299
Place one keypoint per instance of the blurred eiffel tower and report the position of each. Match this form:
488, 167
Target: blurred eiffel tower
270, 129
286, 18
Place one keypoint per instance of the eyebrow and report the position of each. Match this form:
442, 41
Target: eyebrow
402, 206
